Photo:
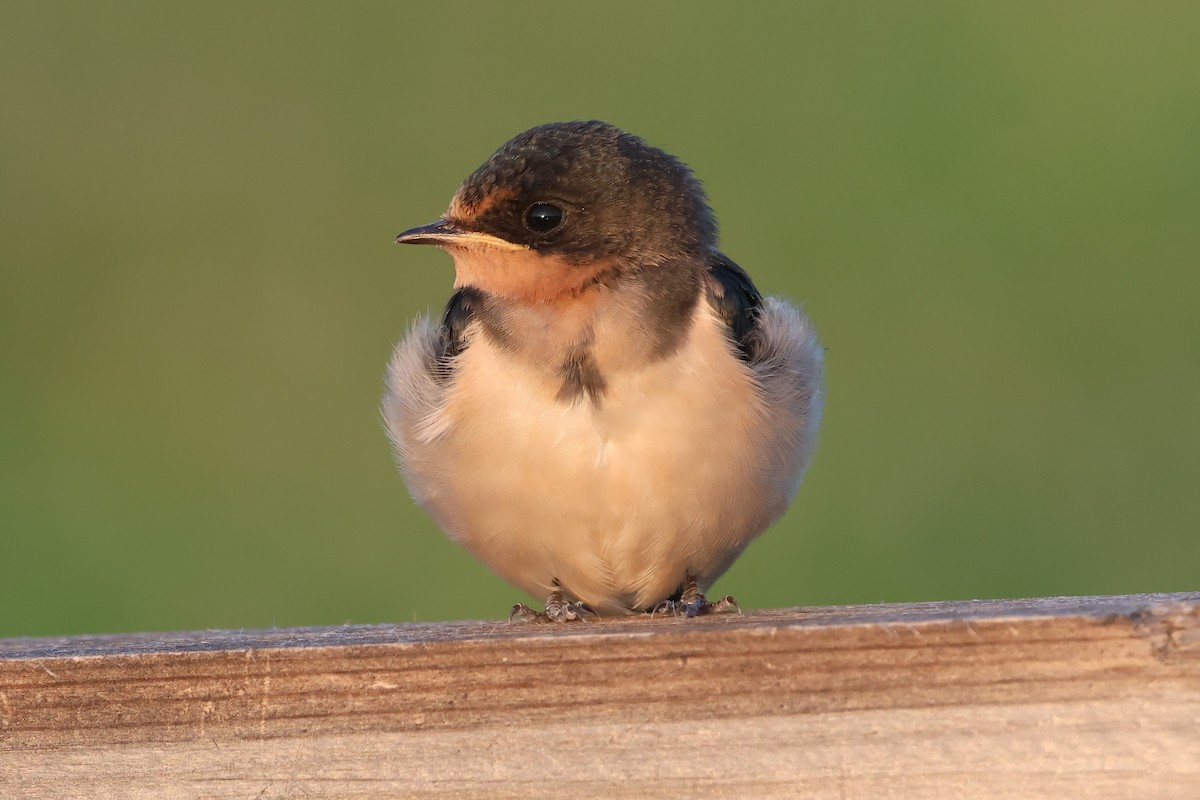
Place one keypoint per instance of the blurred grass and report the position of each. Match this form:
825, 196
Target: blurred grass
991, 211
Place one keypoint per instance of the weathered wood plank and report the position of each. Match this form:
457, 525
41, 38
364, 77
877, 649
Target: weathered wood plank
1096, 697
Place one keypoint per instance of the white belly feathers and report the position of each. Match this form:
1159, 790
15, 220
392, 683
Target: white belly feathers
682, 463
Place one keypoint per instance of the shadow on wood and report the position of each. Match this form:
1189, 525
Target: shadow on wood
1095, 697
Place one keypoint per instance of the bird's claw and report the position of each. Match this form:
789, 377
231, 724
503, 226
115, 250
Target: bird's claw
693, 603
696, 608
556, 611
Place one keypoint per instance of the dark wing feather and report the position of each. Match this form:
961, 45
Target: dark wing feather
736, 300
452, 335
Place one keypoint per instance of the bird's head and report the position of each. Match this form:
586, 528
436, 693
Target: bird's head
564, 204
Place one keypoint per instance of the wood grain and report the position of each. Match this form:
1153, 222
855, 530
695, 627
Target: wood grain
1076, 697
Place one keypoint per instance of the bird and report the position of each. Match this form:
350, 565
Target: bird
608, 411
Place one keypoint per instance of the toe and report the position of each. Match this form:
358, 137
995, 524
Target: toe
522, 613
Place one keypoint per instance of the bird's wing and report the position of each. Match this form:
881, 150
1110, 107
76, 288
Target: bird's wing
736, 300
452, 333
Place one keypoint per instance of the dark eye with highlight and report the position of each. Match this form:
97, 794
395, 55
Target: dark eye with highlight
543, 217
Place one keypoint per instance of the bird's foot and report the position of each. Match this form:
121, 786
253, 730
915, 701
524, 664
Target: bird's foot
558, 609
699, 608
693, 603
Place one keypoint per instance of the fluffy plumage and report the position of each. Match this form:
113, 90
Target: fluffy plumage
610, 406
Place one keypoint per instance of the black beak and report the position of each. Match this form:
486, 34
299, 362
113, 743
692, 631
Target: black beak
445, 233
440, 232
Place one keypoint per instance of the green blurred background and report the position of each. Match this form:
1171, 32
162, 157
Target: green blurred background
992, 211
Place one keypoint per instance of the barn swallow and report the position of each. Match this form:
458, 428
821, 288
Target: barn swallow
608, 411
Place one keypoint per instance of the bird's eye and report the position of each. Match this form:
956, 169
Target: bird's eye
543, 217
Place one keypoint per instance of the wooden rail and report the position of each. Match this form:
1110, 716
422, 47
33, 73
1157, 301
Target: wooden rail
1093, 697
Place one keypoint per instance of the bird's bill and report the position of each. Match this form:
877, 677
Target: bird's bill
446, 234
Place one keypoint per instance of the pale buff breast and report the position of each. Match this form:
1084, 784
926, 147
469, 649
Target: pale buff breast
683, 462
